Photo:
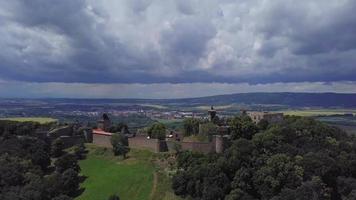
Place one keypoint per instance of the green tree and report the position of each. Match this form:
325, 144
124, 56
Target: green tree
242, 127
67, 161
347, 187
57, 148
119, 143
40, 157
70, 181
114, 197
62, 197
208, 129
157, 131
263, 124
280, 171
79, 151
191, 126
238, 194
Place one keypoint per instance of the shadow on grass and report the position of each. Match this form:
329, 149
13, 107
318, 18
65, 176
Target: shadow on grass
82, 179
79, 192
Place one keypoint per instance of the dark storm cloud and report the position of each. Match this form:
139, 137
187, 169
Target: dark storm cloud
150, 41
185, 42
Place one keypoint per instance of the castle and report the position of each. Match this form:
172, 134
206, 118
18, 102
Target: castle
268, 116
101, 137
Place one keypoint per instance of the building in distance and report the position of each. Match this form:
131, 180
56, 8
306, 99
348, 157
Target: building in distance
270, 117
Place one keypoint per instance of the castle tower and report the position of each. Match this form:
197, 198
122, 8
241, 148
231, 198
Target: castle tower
105, 123
219, 143
212, 113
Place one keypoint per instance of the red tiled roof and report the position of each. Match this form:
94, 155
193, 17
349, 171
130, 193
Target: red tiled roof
101, 132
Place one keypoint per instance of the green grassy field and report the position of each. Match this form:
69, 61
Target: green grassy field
175, 124
310, 113
131, 179
42, 120
135, 178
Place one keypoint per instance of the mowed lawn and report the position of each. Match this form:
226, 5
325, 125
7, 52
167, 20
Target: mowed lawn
131, 179
41, 120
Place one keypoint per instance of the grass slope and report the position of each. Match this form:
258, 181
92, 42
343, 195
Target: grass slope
131, 179
42, 120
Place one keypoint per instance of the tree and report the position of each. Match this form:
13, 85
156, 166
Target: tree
191, 126
314, 189
65, 162
114, 197
242, 127
120, 128
263, 124
70, 181
53, 184
79, 151
11, 171
208, 129
57, 148
280, 171
157, 131
119, 143
24, 165
346, 187
239, 194
40, 157
62, 197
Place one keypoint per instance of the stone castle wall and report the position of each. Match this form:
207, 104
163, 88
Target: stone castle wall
70, 141
61, 131
270, 117
155, 145
202, 147
216, 145
102, 140
141, 142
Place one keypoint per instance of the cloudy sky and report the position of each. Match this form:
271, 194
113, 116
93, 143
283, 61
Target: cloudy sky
175, 48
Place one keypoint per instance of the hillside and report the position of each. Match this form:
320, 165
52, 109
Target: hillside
282, 98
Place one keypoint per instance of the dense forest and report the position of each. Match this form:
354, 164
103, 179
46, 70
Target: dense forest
32, 168
300, 158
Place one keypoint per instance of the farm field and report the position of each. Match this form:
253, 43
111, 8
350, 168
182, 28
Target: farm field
332, 117
310, 113
42, 120
132, 179
175, 124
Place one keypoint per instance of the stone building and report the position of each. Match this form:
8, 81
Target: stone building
104, 123
101, 135
268, 116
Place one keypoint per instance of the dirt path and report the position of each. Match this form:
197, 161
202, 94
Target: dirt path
154, 187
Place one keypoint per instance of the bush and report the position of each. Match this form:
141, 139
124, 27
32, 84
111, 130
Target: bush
57, 148
65, 162
79, 151
114, 197
157, 131
119, 144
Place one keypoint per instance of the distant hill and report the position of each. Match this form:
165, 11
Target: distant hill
284, 98
281, 98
